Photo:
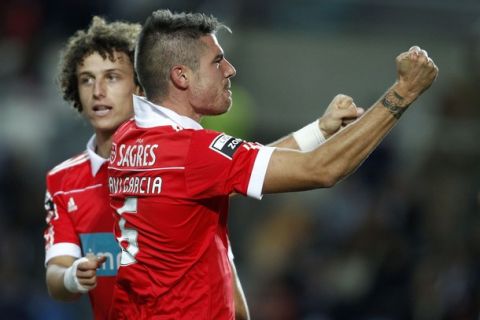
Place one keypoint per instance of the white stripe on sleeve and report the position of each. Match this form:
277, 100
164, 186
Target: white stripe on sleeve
259, 170
63, 249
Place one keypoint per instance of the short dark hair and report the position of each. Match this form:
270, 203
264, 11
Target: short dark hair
167, 39
101, 37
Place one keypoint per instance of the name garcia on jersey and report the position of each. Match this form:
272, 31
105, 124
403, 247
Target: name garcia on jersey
133, 156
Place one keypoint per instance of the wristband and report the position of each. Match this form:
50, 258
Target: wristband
309, 137
70, 280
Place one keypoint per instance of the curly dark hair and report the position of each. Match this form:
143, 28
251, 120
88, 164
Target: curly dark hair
101, 37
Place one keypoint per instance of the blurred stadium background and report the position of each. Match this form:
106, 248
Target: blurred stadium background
400, 239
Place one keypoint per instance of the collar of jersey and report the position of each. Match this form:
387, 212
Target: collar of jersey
95, 160
148, 115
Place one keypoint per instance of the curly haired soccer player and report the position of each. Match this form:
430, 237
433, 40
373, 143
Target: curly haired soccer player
97, 77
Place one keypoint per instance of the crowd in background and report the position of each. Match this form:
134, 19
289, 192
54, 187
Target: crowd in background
400, 239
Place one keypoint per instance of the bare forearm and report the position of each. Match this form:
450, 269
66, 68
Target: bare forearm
290, 170
335, 159
55, 284
343, 153
287, 142
350, 147
241, 307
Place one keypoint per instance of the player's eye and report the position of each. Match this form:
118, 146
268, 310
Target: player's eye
86, 80
112, 77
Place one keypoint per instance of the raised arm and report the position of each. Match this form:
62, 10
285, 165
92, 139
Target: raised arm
290, 170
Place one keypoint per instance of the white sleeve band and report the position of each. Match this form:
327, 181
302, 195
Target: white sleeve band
309, 137
63, 249
70, 280
255, 185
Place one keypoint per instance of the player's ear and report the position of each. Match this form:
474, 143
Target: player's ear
180, 76
139, 91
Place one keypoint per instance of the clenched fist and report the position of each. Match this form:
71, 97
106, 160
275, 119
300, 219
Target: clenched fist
341, 111
415, 73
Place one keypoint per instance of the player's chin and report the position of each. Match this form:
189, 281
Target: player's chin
228, 103
221, 108
106, 125
226, 108
217, 112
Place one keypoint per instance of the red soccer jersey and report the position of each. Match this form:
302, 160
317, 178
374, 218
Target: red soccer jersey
169, 182
80, 220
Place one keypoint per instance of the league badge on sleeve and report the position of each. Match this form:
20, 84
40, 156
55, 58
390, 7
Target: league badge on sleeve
226, 145
50, 208
113, 153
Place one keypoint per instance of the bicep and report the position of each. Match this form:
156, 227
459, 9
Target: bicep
289, 170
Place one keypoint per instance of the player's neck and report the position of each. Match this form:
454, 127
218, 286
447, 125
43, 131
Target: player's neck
103, 145
180, 106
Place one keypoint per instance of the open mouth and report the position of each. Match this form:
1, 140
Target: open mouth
101, 110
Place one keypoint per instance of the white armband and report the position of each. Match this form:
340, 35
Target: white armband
309, 137
70, 280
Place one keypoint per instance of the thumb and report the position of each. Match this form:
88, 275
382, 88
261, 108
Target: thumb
347, 121
100, 260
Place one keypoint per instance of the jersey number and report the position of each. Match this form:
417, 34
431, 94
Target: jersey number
128, 235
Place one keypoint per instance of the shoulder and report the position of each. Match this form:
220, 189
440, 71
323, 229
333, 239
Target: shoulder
213, 144
77, 162
205, 135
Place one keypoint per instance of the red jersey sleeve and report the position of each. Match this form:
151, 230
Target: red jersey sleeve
60, 234
218, 164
